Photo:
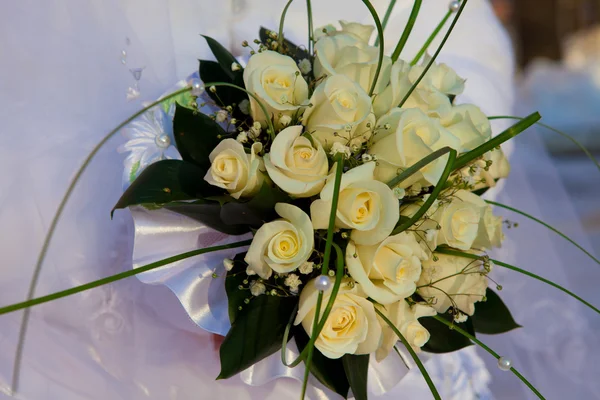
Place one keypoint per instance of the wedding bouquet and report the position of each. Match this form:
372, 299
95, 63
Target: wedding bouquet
353, 183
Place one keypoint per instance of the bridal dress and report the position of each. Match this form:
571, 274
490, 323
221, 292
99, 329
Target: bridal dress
67, 68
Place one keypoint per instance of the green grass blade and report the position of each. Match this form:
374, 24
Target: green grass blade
381, 44
508, 134
522, 271
416, 167
431, 38
434, 391
432, 197
563, 134
282, 23
489, 350
113, 278
310, 27
386, 17
547, 226
407, 30
325, 269
437, 53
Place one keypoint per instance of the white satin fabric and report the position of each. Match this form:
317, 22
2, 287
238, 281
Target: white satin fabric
62, 87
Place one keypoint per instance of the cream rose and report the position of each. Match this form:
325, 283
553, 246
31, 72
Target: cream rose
295, 165
281, 245
277, 82
347, 55
410, 135
232, 169
443, 78
366, 206
387, 271
499, 168
489, 233
468, 123
425, 97
340, 112
352, 326
406, 319
358, 31
453, 281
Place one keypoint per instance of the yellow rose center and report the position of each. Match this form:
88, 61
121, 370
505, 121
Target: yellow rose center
428, 133
359, 207
279, 83
226, 168
463, 222
342, 320
285, 245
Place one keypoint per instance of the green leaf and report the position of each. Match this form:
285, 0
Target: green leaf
209, 213
257, 210
235, 278
329, 372
196, 135
223, 56
164, 182
256, 333
443, 339
211, 71
357, 368
492, 316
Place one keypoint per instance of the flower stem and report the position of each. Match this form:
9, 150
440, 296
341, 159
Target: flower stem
434, 391
281, 24
489, 350
431, 38
386, 17
381, 44
437, 53
413, 169
310, 27
407, 30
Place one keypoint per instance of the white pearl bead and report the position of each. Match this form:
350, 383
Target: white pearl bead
197, 88
454, 5
163, 141
504, 364
323, 283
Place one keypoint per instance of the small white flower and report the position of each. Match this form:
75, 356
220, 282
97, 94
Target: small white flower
221, 115
242, 137
469, 180
285, 120
250, 271
293, 281
306, 268
257, 288
235, 67
399, 193
337, 147
460, 318
257, 126
244, 106
367, 157
305, 66
228, 264
213, 89
415, 190
233, 121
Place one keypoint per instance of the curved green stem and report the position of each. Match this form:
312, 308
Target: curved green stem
547, 226
489, 350
437, 53
563, 134
413, 169
310, 27
282, 23
522, 271
431, 38
407, 30
41, 257
434, 391
386, 17
432, 197
381, 44
508, 134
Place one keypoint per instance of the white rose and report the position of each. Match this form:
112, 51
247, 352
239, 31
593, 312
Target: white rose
443, 78
387, 271
340, 112
232, 169
352, 326
365, 205
405, 319
359, 31
411, 136
277, 82
295, 165
489, 233
499, 169
323, 31
453, 281
281, 245
424, 97
468, 123
346, 55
